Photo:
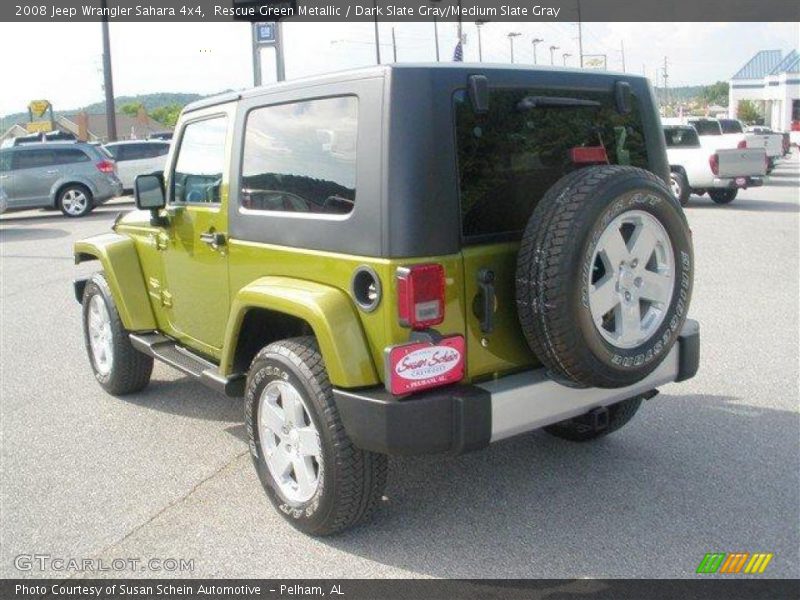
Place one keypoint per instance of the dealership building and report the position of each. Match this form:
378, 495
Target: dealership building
771, 80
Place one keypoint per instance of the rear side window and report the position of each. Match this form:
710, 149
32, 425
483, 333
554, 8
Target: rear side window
301, 157
707, 127
67, 156
681, 137
730, 126
509, 157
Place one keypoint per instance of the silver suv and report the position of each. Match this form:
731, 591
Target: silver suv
73, 177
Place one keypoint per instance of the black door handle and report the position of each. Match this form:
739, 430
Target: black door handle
213, 239
487, 300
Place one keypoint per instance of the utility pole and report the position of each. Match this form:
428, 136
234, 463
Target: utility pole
552, 58
394, 46
460, 31
666, 88
535, 41
436, 37
511, 37
580, 34
479, 24
108, 80
377, 33
622, 49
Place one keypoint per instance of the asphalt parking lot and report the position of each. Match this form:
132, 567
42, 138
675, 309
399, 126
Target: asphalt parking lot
709, 465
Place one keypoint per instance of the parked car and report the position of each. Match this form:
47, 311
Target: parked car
135, 157
160, 135
774, 143
721, 173
716, 137
3, 201
73, 177
511, 258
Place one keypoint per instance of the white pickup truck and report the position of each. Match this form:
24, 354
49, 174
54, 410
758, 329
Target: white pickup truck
719, 172
771, 141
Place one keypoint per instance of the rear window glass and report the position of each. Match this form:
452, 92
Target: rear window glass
681, 137
730, 126
509, 157
301, 157
707, 127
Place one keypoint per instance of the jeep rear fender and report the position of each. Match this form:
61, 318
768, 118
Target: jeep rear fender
123, 272
327, 310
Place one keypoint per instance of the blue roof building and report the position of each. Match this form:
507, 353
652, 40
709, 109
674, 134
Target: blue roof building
770, 79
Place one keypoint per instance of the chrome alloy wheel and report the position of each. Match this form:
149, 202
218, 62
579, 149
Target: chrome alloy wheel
290, 441
75, 202
100, 336
675, 185
632, 280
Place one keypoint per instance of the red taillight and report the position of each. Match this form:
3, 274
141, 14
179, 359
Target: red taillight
106, 166
742, 145
588, 155
420, 295
713, 162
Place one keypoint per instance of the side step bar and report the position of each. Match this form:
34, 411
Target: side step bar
169, 352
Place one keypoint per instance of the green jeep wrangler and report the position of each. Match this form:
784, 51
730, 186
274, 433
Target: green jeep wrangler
405, 259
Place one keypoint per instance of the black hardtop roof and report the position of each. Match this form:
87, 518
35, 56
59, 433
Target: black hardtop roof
383, 70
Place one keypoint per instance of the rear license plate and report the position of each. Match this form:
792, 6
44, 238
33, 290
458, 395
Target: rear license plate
740, 181
422, 365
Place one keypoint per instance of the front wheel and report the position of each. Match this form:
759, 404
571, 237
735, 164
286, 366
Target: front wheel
580, 429
117, 365
75, 201
319, 482
723, 196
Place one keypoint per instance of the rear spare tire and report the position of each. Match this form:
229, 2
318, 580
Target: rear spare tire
604, 276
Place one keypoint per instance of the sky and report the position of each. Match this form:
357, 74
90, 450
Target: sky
62, 62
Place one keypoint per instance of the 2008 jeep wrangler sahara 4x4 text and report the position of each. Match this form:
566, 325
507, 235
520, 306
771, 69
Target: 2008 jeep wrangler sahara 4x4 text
402, 260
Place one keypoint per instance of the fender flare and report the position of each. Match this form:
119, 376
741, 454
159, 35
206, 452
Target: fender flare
117, 254
327, 310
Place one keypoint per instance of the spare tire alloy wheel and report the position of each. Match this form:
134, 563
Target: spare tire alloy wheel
604, 276
632, 281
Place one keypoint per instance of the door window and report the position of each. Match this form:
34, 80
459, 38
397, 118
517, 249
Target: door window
32, 158
301, 157
197, 178
70, 155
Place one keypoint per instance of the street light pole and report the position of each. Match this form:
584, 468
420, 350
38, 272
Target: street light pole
377, 33
511, 37
552, 58
479, 24
108, 79
565, 56
535, 41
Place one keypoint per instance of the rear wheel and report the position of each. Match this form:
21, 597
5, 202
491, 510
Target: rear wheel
680, 187
723, 196
583, 429
604, 276
75, 200
319, 482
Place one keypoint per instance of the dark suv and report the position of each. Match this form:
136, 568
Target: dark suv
73, 177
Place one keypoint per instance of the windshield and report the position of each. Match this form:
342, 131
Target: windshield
707, 127
730, 126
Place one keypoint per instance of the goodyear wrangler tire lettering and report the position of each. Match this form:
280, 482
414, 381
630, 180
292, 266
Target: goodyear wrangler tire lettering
623, 233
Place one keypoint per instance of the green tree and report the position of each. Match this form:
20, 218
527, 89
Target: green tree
747, 112
716, 93
167, 115
131, 108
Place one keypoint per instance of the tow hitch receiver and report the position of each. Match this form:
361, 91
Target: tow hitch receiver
595, 420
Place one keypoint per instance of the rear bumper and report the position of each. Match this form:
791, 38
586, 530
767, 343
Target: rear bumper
733, 183
460, 418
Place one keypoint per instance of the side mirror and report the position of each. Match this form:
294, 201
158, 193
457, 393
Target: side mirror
478, 89
148, 191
